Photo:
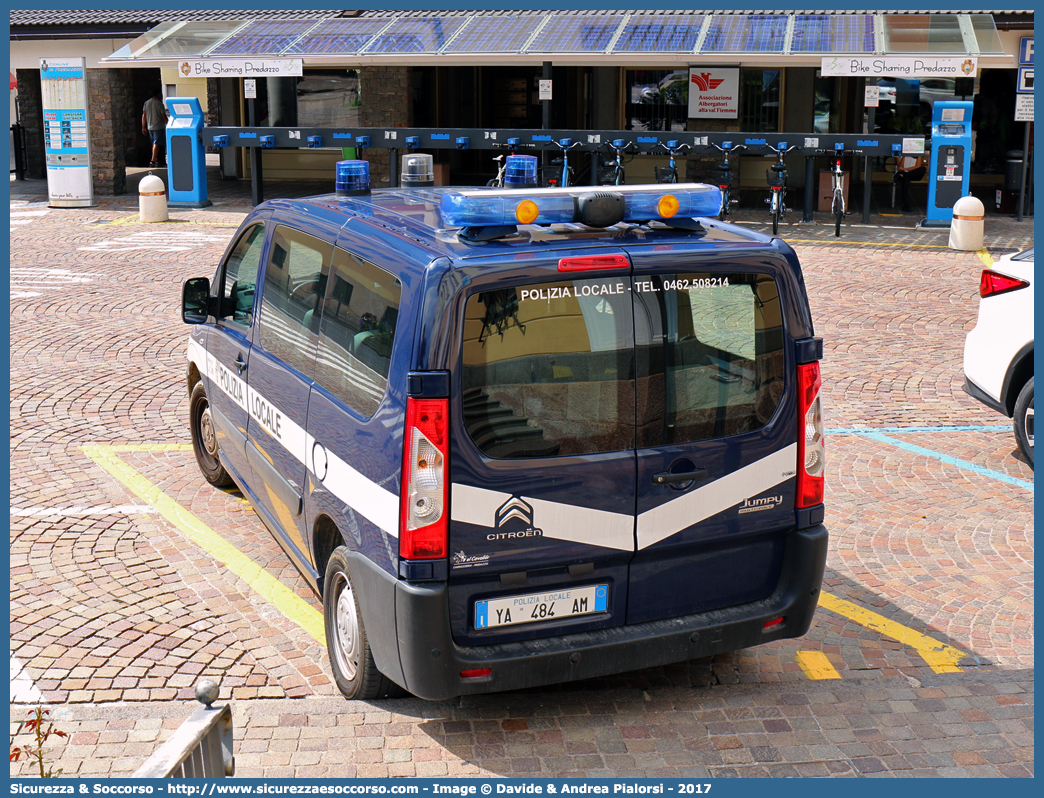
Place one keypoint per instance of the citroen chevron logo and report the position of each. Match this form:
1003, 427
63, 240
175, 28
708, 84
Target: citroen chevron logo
514, 508
705, 82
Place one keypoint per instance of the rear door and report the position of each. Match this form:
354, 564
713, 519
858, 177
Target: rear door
716, 433
542, 457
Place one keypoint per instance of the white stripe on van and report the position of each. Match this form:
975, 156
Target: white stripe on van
586, 525
375, 503
478, 506
700, 504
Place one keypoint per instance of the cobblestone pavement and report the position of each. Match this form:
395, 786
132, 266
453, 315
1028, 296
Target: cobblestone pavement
116, 612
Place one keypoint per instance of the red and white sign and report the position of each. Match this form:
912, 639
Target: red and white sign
714, 92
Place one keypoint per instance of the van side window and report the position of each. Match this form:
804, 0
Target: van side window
359, 315
710, 357
240, 276
294, 278
549, 369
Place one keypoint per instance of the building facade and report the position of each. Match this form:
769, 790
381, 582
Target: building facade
757, 72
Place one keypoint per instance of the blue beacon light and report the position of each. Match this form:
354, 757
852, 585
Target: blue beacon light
520, 171
352, 178
508, 207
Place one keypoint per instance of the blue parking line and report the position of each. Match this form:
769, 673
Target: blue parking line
901, 430
945, 458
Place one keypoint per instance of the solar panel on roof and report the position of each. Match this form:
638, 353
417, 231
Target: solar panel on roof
823, 33
267, 37
425, 35
661, 34
753, 34
576, 34
495, 35
337, 36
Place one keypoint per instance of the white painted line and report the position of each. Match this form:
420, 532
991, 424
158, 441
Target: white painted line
23, 691
28, 213
123, 509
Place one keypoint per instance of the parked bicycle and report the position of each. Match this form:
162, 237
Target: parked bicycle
669, 173
614, 174
776, 175
725, 184
565, 176
513, 146
837, 200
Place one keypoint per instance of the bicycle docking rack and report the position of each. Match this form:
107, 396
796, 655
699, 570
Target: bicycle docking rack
533, 141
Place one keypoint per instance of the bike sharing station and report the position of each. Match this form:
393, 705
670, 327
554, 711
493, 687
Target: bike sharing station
186, 160
950, 163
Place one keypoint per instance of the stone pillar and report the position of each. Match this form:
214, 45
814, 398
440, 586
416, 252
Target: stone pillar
113, 111
30, 108
213, 115
385, 104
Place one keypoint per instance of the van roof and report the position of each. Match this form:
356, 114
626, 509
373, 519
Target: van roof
416, 213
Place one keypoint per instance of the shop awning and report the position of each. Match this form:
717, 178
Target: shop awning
618, 38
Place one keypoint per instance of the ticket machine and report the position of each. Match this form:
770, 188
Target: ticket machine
186, 158
949, 168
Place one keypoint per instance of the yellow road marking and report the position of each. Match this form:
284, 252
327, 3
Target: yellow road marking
941, 658
260, 581
984, 256
816, 665
136, 219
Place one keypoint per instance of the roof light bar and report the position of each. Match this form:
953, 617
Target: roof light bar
506, 207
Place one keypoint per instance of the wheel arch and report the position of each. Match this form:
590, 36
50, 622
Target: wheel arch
192, 375
1018, 375
326, 537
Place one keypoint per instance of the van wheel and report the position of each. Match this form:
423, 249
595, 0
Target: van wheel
351, 660
204, 439
1024, 421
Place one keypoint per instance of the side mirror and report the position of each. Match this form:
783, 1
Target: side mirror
195, 300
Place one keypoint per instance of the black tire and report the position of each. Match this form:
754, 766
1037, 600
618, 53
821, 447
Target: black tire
354, 670
492, 183
723, 214
838, 216
204, 439
1024, 421
776, 209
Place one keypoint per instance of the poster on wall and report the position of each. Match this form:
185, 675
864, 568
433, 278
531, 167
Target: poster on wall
63, 87
714, 92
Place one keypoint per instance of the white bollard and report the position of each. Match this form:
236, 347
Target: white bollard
966, 229
152, 199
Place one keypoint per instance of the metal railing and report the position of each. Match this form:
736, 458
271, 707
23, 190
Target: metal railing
201, 748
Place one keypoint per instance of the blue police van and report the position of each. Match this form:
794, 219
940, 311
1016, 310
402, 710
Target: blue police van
516, 437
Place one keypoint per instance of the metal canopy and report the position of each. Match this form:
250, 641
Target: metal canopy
585, 37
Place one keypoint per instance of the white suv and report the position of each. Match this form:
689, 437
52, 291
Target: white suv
998, 352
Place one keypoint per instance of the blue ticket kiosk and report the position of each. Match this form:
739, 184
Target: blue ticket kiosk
950, 165
186, 158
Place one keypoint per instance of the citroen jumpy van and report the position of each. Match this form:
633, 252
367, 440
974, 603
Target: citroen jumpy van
518, 437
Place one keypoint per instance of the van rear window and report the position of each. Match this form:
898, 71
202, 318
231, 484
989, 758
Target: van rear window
588, 366
710, 356
548, 369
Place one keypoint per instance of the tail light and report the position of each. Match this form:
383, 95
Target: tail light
423, 525
811, 449
992, 283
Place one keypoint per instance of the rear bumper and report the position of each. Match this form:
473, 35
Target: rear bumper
431, 662
975, 392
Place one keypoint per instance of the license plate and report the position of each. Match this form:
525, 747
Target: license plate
536, 607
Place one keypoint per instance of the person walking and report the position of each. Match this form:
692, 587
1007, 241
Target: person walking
154, 122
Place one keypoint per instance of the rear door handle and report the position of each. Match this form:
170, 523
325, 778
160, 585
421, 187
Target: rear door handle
667, 478
240, 364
